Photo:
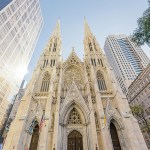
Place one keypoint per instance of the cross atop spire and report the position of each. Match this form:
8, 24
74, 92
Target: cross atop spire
87, 30
56, 31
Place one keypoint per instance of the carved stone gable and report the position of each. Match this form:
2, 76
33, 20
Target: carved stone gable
74, 95
73, 59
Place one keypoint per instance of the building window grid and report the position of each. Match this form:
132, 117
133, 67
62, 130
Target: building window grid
23, 39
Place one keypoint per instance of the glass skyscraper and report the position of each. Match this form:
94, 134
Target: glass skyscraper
20, 24
126, 58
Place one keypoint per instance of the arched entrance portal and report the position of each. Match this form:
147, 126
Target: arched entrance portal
75, 141
114, 137
35, 138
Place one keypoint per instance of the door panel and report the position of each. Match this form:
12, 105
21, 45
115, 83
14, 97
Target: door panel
35, 138
114, 137
75, 141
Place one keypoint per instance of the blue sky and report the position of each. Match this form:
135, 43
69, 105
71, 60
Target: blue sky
103, 16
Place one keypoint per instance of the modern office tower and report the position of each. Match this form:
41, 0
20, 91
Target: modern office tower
16, 103
139, 95
126, 59
12, 110
20, 25
74, 104
4, 107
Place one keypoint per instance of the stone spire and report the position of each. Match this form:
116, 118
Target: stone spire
56, 31
87, 30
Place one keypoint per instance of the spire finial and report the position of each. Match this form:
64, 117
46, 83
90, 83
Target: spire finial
87, 30
73, 49
56, 31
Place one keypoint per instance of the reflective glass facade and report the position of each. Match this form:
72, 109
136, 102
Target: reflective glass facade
127, 59
20, 25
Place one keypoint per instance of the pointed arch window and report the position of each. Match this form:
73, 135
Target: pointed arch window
90, 46
45, 63
93, 61
74, 117
100, 62
101, 81
50, 46
94, 45
55, 45
52, 62
45, 83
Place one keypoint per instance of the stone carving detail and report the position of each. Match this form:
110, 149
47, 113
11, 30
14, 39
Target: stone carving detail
54, 100
86, 99
62, 99
109, 109
96, 120
73, 94
74, 117
73, 74
106, 93
52, 122
93, 99
41, 94
64, 91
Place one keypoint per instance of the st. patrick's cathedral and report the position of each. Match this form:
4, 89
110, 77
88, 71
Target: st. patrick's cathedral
74, 104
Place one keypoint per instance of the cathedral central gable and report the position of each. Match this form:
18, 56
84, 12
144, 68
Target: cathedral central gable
75, 96
72, 59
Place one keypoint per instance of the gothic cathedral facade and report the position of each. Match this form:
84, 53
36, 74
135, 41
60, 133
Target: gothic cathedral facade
74, 104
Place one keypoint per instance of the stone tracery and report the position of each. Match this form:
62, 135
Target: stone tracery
101, 81
74, 117
73, 74
45, 83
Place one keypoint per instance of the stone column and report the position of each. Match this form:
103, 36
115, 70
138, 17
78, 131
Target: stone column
104, 131
57, 135
43, 139
91, 127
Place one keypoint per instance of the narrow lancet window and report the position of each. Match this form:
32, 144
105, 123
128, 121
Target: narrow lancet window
45, 83
101, 81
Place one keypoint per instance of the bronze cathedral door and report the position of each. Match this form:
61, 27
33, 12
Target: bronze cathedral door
114, 136
75, 141
35, 138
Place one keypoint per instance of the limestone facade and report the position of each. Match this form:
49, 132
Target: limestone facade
80, 102
139, 94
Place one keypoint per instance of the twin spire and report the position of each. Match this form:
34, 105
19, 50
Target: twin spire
56, 31
87, 30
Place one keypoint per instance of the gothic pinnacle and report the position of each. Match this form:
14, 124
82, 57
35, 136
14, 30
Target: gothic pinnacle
87, 30
56, 31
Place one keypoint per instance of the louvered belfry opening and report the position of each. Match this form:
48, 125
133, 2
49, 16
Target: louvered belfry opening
101, 81
45, 83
